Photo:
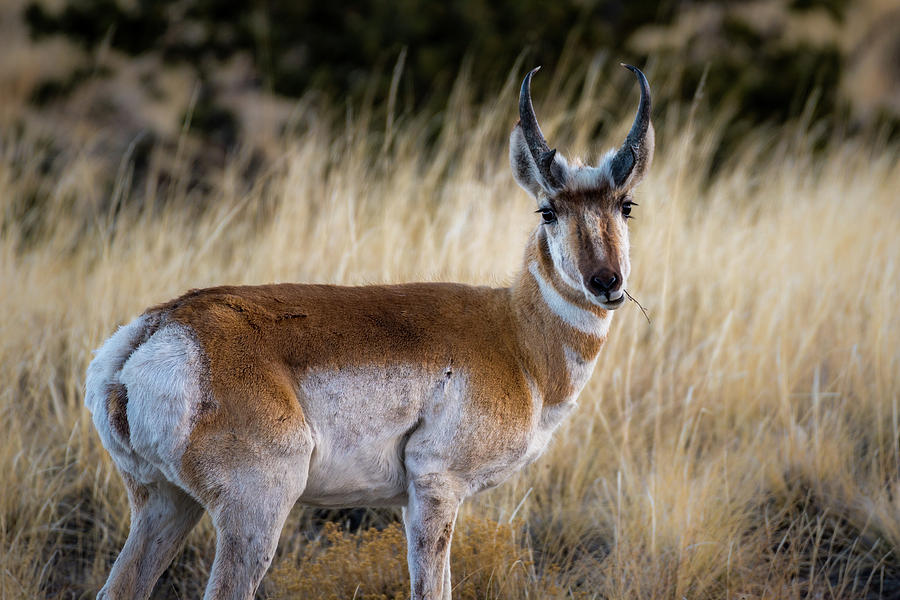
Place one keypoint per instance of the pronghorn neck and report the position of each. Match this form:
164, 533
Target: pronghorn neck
560, 330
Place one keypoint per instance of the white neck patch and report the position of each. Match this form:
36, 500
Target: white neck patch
580, 370
574, 316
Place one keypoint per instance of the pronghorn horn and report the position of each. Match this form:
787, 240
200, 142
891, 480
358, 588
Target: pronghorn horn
633, 148
541, 153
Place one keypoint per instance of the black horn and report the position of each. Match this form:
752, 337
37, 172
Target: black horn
634, 147
541, 153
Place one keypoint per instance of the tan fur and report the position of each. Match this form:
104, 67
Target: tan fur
260, 340
547, 363
594, 235
116, 406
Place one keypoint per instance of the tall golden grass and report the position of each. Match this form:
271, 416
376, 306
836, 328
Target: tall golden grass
745, 444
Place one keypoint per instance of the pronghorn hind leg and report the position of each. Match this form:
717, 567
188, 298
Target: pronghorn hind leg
161, 517
429, 519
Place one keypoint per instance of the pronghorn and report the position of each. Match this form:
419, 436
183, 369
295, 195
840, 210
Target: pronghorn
242, 401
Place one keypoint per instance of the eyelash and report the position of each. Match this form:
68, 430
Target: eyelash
548, 215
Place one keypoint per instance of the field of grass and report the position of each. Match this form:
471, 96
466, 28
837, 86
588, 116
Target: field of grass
744, 444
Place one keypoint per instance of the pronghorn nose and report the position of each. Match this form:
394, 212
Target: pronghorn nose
603, 282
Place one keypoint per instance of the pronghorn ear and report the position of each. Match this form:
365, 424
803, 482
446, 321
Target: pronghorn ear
523, 166
643, 156
550, 172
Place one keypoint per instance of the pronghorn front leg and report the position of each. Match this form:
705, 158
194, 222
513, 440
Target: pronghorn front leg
248, 524
429, 518
249, 511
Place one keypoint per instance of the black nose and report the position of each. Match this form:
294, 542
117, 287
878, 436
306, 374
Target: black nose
603, 282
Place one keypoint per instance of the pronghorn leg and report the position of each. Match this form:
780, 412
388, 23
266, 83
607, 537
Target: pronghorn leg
248, 525
256, 491
429, 519
161, 517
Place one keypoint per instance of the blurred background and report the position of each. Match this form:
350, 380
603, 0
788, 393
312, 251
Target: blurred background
233, 76
744, 443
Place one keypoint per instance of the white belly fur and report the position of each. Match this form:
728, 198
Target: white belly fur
361, 418
410, 422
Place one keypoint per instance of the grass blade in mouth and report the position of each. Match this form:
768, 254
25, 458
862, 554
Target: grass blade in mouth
646, 316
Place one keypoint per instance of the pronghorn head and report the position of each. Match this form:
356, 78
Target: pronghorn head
583, 208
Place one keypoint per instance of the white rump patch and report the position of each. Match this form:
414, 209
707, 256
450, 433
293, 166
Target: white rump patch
102, 374
574, 316
164, 381
104, 369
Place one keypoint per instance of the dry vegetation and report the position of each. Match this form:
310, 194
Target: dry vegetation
746, 444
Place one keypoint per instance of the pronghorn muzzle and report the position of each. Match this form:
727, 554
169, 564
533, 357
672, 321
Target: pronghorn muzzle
606, 285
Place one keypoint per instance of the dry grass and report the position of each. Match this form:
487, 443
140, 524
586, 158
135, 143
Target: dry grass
487, 561
744, 445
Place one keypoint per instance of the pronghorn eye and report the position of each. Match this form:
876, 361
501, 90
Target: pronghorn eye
626, 208
548, 214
